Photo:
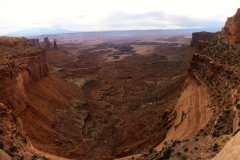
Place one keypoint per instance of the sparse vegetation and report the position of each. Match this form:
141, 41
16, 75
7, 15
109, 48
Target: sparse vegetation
215, 134
215, 145
236, 132
238, 106
25, 140
13, 149
11, 155
1, 146
167, 153
34, 157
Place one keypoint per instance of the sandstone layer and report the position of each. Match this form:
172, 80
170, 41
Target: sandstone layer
231, 31
202, 36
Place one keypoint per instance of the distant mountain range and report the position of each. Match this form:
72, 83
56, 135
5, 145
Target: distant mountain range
47, 31
38, 31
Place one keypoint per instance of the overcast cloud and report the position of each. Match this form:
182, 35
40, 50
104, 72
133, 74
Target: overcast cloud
100, 15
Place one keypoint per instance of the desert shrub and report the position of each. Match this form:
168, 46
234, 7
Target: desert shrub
215, 134
236, 132
179, 154
215, 145
167, 153
238, 106
22, 157
34, 157
1, 131
1, 146
13, 149
196, 148
174, 144
227, 111
186, 149
11, 155
236, 100
25, 140
196, 139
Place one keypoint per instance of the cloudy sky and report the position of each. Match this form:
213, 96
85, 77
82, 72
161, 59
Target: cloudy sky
100, 15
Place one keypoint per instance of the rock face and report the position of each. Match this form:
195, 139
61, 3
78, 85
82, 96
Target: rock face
12, 136
13, 41
17, 70
202, 36
231, 30
55, 45
46, 44
34, 42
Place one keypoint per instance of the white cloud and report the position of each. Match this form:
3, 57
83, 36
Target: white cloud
88, 15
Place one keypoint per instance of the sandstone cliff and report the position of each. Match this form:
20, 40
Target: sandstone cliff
202, 36
55, 45
20, 64
34, 42
46, 44
231, 31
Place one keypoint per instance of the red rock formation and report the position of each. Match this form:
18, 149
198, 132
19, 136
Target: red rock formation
46, 44
34, 42
202, 36
55, 45
13, 41
231, 30
12, 135
17, 71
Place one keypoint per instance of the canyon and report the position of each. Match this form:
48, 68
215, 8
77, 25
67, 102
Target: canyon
121, 98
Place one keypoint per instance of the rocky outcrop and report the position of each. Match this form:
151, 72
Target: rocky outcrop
16, 71
202, 36
34, 42
13, 140
13, 41
46, 44
55, 45
231, 31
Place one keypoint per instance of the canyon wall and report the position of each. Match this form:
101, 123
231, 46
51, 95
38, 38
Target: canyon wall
202, 36
18, 70
231, 31
34, 42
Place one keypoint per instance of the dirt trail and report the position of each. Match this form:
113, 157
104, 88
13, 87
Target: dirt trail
51, 157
